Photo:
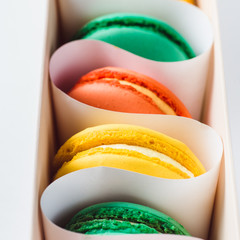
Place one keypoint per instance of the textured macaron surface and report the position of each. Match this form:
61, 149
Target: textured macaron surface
128, 147
140, 34
123, 90
123, 218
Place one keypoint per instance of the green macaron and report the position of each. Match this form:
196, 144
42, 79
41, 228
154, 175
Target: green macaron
123, 218
142, 35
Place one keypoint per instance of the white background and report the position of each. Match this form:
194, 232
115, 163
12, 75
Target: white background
22, 26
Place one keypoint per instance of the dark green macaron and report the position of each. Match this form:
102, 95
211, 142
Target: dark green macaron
123, 218
142, 35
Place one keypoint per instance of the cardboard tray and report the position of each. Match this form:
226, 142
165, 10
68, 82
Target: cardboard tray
225, 222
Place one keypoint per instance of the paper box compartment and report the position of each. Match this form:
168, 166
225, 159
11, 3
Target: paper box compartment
225, 223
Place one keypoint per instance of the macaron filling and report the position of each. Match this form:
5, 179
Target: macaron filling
163, 106
152, 154
127, 157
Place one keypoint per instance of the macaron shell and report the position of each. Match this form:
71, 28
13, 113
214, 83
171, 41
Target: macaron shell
138, 41
130, 135
140, 34
115, 97
81, 90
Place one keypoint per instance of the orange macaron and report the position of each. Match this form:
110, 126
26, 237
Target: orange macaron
123, 90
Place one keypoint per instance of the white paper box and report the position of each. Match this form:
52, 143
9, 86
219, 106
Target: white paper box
225, 223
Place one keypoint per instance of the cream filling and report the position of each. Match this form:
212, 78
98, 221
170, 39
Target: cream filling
150, 153
159, 102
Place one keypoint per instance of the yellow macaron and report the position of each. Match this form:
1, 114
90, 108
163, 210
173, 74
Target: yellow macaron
127, 147
190, 1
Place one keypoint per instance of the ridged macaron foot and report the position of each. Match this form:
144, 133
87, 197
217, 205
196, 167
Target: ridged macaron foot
123, 218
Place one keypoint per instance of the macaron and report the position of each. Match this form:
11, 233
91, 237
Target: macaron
123, 90
123, 218
142, 35
129, 147
190, 1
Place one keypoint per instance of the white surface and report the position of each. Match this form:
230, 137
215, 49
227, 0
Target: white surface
21, 47
229, 20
